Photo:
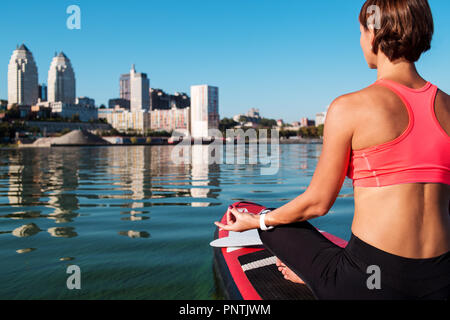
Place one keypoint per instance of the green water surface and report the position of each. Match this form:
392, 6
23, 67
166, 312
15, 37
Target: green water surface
137, 224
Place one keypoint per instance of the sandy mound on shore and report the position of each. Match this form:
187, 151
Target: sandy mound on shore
76, 137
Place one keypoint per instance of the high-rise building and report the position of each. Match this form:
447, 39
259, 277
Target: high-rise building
139, 91
180, 100
320, 118
131, 110
159, 100
43, 95
61, 80
204, 110
22, 78
121, 103
125, 87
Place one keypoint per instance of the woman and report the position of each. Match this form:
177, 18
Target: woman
392, 139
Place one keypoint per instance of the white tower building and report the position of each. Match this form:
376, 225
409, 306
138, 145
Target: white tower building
321, 117
22, 78
139, 91
204, 110
61, 80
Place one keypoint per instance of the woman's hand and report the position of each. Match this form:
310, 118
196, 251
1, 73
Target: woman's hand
239, 221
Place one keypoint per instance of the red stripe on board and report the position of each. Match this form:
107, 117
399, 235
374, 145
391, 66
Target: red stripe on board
240, 279
337, 241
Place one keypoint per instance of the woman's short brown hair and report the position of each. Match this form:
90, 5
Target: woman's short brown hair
404, 28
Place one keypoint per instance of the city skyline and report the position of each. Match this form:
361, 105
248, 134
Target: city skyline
61, 71
266, 58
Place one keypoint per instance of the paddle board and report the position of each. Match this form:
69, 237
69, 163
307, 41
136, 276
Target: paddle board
245, 270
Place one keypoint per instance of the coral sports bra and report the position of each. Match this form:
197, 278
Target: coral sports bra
421, 154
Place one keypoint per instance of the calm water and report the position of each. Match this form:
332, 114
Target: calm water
136, 224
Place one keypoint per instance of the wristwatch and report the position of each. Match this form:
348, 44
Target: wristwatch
262, 224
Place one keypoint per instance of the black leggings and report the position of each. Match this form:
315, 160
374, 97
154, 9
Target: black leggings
359, 271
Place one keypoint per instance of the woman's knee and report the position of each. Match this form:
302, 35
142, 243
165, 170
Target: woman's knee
280, 235
286, 230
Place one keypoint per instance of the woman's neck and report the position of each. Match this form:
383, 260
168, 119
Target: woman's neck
400, 70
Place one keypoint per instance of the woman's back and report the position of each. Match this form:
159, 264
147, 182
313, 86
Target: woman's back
392, 139
406, 219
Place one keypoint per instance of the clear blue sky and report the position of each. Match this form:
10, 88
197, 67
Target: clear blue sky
290, 58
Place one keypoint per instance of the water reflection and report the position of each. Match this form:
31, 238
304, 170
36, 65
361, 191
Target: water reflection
135, 234
37, 174
66, 259
26, 230
62, 232
54, 184
133, 217
147, 173
27, 250
203, 175
22, 215
63, 171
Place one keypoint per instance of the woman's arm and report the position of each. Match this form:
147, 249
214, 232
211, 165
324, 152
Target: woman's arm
326, 183
330, 173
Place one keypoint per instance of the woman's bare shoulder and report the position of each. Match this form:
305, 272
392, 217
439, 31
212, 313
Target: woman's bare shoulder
358, 102
365, 96
346, 110
362, 106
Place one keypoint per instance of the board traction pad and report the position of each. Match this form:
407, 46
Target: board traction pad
268, 281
